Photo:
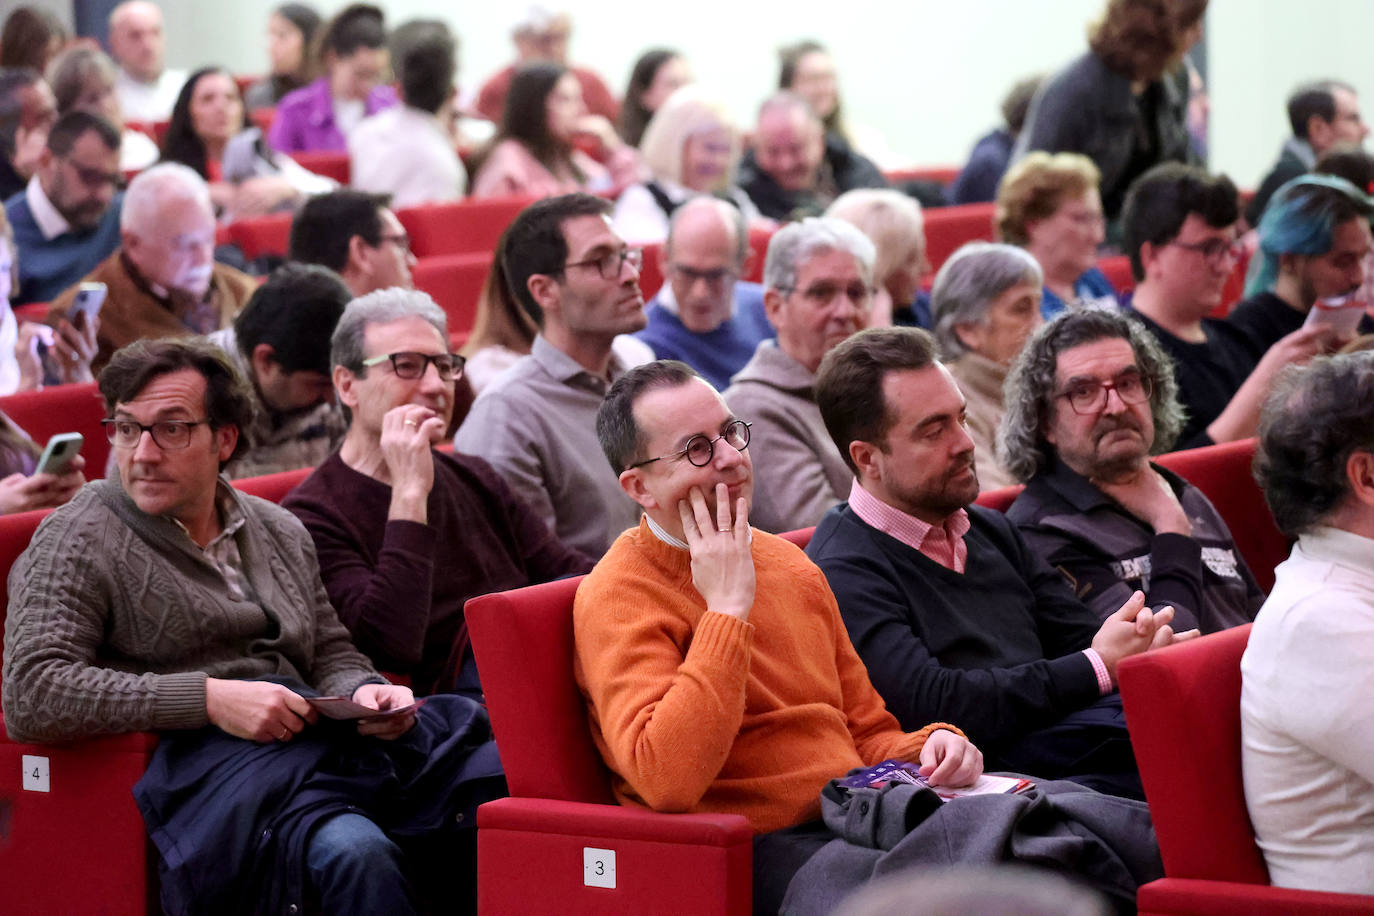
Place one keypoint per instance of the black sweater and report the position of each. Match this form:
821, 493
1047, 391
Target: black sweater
996, 649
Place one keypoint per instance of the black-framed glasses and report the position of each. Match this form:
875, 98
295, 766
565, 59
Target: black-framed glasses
713, 278
94, 177
609, 265
408, 364
1088, 396
399, 239
701, 449
1214, 250
822, 294
167, 434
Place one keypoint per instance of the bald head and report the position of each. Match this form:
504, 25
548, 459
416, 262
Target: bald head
789, 141
707, 243
136, 41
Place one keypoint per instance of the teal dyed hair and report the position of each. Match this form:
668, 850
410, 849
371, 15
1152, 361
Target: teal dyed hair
1300, 219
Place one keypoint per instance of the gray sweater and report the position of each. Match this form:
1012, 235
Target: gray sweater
798, 472
116, 619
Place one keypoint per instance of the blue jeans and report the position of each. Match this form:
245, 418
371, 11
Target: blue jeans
355, 868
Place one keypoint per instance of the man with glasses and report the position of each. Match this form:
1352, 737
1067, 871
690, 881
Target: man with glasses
1178, 224
955, 617
162, 599
406, 534
818, 290
163, 280
536, 423
67, 220
705, 315
356, 235
1089, 400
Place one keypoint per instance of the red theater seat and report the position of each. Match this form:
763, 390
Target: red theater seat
940, 174
532, 847
1118, 271
330, 164
262, 235
64, 409
949, 227
273, 487
1183, 710
455, 281
464, 227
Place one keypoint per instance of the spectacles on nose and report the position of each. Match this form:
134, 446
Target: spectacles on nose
713, 278
96, 179
701, 449
609, 265
400, 240
822, 294
1088, 396
410, 365
1214, 250
167, 434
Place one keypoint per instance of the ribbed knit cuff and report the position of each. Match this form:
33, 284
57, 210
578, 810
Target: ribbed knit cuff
180, 701
1104, 678
724, 638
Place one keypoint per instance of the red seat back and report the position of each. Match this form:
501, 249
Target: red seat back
1183, 710
464, 227
15, 532
329, 163
1001, 498
262, 235
523, 641
64, 409
947, 228
1222, 473
801, 537
455, 281
273, 487
940, 174
1118, 271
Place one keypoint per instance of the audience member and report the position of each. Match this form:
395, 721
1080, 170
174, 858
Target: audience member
1179, 229
31, 38
246, 177
353, 58
535, 423
1089, 401
290, 32
1049, 205
83, 79
807, 69
691, 148
987, 163
1120, 103
533, 153
1322, 114
1356, 166
986, 303
397, 524
949, 609
704, 315
818, 290
1314, 245
407, 150
162, 280
356, 235
894, 224
280, 345
717, 674
146, 88
219, 658
33, 355
794, 167
1304, 728
67, 220
541, 35
657, 74
27, 112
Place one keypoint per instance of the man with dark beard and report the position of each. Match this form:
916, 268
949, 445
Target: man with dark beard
1090, 399
951, 612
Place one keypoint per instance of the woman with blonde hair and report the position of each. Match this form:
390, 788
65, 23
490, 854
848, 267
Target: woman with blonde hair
894, 224
1049, 205
691, 147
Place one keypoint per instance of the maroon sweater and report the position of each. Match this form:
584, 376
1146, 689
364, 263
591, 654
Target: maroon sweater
400, 586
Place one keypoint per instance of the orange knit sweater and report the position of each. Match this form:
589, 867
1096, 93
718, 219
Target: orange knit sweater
699, 711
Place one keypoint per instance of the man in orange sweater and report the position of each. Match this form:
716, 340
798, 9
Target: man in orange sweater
716, 667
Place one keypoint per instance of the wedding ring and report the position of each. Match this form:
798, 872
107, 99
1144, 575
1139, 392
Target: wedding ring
411, 423
723, 530
284, 735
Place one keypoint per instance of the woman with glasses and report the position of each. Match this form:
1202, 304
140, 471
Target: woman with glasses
1049, 205
246, 178
536, 152
985, 304
691, 147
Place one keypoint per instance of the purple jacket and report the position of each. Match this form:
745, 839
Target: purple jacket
305, 118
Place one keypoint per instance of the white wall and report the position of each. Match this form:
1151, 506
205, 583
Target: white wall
928, 75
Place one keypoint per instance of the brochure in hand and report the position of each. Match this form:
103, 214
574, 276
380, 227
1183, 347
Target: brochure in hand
344, 708
905, 771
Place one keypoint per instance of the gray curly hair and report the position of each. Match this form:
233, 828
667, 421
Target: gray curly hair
1029, 389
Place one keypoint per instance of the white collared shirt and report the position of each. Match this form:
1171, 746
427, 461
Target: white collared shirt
50, 222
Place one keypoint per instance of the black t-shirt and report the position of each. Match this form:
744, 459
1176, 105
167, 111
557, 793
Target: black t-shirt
1266, 319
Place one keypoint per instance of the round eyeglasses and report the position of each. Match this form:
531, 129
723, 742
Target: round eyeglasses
701, 449
1088, 396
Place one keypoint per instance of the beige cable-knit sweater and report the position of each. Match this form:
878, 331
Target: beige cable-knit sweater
116, 619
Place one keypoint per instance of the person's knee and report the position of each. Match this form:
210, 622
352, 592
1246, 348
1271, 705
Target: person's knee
347, 841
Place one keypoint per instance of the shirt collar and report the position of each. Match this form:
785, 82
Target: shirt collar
897, 524
50, 222
1336, 545
568, 370
231, 517
662, 534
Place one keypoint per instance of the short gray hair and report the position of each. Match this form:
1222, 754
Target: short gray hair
1029, 389
969, 282
796, 243
730, 214
382, 306
151, 189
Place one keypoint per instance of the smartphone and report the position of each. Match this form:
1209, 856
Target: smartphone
89, 298
58, 454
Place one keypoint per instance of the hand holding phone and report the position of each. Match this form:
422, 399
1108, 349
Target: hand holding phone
59, 453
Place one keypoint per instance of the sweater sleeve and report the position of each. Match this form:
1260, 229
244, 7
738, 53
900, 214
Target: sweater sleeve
667, 698
339, 668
